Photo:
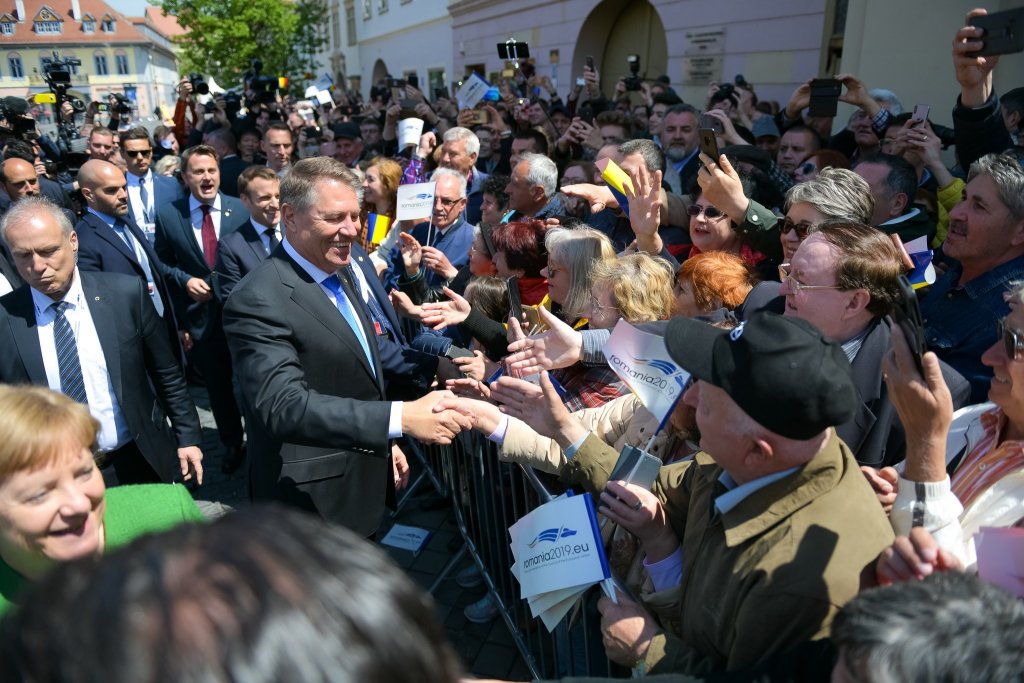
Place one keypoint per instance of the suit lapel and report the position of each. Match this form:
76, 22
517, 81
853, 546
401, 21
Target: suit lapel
376, 289
310, 297
104, 318
252, 238
26, 336
106, 233
185, 231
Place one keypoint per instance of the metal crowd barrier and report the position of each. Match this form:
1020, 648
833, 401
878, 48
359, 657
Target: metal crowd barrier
488, 496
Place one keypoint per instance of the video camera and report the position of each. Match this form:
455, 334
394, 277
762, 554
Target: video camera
57, 73
199, 86
264, 88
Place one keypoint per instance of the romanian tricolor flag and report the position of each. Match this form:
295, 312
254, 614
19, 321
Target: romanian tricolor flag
376, 228
617, 181
923, 273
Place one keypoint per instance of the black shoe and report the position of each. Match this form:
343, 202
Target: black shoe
233, 460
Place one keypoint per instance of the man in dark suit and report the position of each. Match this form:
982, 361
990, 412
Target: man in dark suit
187, 238
243, 250
19, 149
231, 165
111, 242
20, 179
318, 421
146, 190
96, 338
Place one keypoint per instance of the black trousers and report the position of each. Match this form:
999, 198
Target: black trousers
212, 359
126, 465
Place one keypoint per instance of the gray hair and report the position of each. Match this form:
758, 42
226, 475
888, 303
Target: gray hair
460, 133
577, 250
837, 193
298, 189
451, 173
889, 97
543, 172
654, 160
27, 209
1008, 175
949, 627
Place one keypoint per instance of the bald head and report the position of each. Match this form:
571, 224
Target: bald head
103, 187
19, 179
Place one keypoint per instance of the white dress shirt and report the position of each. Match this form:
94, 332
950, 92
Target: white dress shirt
140, 256
138, 209
196, 217
5, 286
99, 389
318, 276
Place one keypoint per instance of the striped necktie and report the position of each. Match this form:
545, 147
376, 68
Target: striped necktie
72, 383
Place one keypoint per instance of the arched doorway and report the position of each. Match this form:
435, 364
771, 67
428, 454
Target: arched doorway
616, 28
380, 71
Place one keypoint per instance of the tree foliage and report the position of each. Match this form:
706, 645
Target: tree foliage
224, 36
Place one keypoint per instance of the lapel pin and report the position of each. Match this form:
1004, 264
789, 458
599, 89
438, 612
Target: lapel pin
227, 213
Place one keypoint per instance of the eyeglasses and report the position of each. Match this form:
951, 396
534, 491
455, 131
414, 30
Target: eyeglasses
448, 203
138, 152
808, 168
1013, 340
785, 275
709, 212
598, 306
802, 229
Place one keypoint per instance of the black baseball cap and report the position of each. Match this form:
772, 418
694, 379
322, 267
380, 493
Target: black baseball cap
779, 370
347, 130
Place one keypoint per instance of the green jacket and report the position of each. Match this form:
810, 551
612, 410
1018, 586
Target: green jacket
769, 574
131, 511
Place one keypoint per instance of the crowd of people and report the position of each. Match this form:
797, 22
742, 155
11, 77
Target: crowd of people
822, 481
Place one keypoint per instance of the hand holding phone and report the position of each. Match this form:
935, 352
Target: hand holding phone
1004, 32
907, 315
825, 94
709, 143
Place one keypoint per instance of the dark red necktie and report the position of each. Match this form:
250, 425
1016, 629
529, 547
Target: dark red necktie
209, 237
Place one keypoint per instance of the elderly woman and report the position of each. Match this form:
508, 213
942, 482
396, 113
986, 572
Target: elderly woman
53, 504
963, 471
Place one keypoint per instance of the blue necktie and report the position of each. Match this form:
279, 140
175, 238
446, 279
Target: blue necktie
376, 311
72, 383
347, 311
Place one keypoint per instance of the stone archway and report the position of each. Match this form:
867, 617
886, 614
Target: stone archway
616, 28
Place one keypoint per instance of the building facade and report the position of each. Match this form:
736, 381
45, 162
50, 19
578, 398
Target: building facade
118, 54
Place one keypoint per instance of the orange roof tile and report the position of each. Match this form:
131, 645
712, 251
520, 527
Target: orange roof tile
164, 24
71, 30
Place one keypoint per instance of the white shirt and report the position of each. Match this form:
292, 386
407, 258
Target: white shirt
261, 230
196, 217
135, 204
5, 285
99, 389
318, 276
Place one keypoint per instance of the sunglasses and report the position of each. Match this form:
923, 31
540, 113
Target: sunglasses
802, 229
708, 211
1013, 340
138, 152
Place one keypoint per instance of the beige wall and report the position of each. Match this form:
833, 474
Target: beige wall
905, 46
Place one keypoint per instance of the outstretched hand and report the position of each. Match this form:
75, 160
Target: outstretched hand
441, 314
559, 347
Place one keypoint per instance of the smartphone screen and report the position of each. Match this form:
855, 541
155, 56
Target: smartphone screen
515, 305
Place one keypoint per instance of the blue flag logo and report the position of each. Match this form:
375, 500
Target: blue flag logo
552, 535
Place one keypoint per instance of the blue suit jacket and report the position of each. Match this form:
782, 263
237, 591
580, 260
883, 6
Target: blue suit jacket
454, 244
237, 255
100, 249
182, 259
166, 190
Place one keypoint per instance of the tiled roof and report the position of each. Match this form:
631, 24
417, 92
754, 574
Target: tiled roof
71, 28
164, 24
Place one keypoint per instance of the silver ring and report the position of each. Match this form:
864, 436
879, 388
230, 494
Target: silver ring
639, 504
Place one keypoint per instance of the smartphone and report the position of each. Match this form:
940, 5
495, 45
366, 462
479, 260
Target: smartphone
825, 94
413, 80
908, 316
590, 62
312, 132
708, 143
440, 93
479, 117
515, 305
920, 113
513, 51
712, 123
1004, 32
396, 83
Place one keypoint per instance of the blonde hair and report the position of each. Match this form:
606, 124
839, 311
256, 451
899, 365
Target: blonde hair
578, 250
37, 423
641, 286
